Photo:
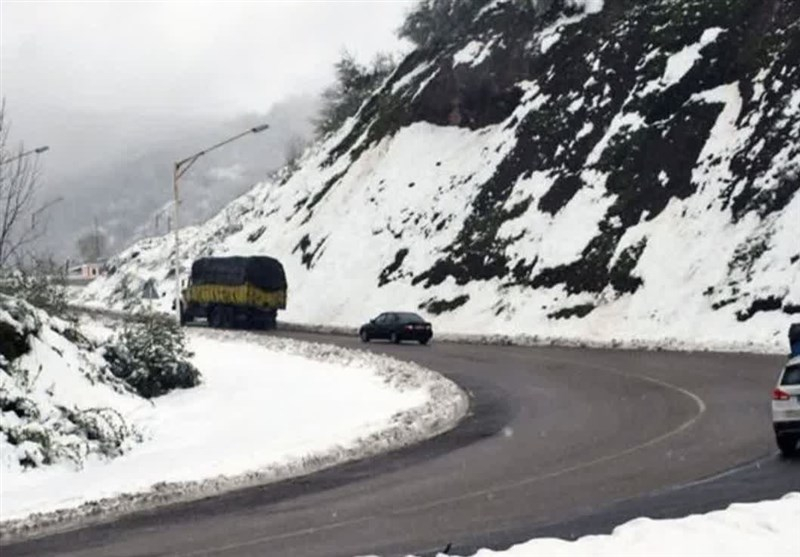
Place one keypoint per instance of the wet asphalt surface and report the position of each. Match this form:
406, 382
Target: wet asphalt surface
559, 442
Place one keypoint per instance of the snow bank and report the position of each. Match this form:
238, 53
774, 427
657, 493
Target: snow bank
59, 405
609, 341
765, 528
268, 409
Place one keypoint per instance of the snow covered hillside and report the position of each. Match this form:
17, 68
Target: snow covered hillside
624, 173
267, 409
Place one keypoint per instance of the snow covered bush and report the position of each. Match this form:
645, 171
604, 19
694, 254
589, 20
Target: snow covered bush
42, 435
39, 288
56, 395
150, 354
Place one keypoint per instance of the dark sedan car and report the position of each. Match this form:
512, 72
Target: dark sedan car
397, 326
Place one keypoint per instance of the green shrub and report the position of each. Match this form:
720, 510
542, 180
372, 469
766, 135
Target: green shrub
150, 354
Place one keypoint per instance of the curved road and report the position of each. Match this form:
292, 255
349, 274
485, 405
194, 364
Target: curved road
559, 442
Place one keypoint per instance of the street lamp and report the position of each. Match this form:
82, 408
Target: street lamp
42, 208
37, 151
180, 168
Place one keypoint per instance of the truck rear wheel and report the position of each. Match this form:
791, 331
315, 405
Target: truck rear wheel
185, 316
269, 320
215, 317
228, 317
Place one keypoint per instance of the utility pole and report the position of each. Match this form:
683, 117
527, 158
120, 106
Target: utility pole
42, 208
96, 241
178, 170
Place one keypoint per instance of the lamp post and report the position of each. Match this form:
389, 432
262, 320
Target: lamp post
179, 169
37, 151
42, 208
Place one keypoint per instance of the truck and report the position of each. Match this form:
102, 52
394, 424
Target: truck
232, 292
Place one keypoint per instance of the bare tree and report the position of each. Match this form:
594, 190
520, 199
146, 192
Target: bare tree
19, 174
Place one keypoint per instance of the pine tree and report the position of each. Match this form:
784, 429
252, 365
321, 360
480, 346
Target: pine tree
354, 84
435, 22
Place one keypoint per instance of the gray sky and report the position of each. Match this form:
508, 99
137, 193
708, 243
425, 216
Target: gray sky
92, 79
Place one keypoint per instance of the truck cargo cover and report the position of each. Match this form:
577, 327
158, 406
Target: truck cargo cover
261, 271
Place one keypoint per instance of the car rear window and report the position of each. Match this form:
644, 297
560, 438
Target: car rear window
791, 376
410, 318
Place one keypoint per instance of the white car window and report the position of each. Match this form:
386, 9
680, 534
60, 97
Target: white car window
791, 376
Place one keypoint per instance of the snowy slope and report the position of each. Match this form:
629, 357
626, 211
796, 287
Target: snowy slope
267, 409
605, 172
59, 404
765, 528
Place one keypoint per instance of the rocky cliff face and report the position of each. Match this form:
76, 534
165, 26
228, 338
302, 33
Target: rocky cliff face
583, 169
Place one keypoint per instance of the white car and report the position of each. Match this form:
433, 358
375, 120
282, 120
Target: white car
786, 408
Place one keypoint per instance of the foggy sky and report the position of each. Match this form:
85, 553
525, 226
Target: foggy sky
95, 80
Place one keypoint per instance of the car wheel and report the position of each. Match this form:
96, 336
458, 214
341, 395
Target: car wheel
364, 335
424, 341
787, 445
394, 338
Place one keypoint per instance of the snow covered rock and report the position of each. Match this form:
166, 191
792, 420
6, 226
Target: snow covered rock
594, 171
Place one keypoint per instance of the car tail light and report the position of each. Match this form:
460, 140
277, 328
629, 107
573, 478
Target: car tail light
778, 394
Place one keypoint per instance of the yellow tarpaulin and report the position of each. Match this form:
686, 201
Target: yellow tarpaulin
243, 295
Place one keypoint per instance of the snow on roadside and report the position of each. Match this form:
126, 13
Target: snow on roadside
59, 405
268, 409
765, 528
621, 340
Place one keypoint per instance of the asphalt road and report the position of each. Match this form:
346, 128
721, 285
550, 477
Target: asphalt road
559, 442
